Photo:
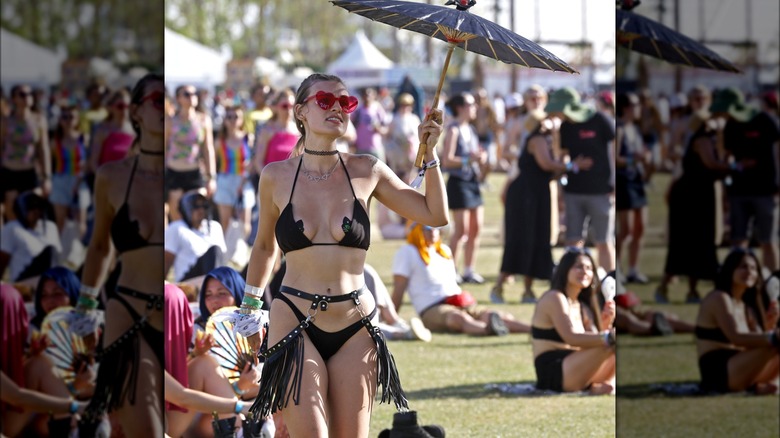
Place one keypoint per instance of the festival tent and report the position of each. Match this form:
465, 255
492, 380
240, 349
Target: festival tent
189, 62
361, 64
25, 62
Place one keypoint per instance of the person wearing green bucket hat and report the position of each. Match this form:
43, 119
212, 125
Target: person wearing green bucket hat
589, 193
750, 138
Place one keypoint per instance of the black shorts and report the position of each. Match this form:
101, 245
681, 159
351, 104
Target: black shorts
714, 369
463, 193
17, 180
549, 369
185, 181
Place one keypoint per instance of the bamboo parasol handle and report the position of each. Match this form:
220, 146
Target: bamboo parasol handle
418, 162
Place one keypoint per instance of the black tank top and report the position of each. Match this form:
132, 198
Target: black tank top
124, 232
289, 232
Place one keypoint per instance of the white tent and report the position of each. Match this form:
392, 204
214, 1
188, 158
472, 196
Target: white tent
192, 63
361, 64
24, 61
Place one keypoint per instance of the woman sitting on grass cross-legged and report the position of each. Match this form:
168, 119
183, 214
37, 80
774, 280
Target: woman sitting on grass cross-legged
736, 330
573, 348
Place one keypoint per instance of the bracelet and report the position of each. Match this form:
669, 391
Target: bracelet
572, 167
237, 390
431, 164
254, 290
239, 407
735, 166
609, 338
72, 389
773, 339
74, 406
250, 302
465, 161
87, 302
90, 291
629, 161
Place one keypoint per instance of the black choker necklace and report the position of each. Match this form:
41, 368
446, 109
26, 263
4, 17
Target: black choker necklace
311, 152
145, 152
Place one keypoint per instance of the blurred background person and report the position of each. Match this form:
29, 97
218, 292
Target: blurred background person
25, 150
371, 125
632, 164
233, 161
69, 164
691, 248
112, 138
462, 158
402, 137
189, 155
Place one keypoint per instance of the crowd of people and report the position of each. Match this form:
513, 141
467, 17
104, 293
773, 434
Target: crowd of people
147, 181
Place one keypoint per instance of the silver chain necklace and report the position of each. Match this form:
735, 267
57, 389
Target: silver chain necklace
321, 177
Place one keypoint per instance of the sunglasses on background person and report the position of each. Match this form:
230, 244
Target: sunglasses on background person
157, 98
232, 116
327, 100
189, 93
120, 106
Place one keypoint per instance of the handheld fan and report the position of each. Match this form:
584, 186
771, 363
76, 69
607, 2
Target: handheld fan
67, 351
608, 288
231, 350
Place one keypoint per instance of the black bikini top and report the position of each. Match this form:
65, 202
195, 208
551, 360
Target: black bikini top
711, 334
547, 334
126, 233
289, 232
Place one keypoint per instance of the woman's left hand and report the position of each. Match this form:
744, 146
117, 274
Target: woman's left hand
249, 378
608, 315
432, 125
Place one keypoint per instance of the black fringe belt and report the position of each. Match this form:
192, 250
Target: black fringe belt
283, 372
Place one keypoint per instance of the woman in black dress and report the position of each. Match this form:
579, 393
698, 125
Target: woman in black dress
527, 248
691, 250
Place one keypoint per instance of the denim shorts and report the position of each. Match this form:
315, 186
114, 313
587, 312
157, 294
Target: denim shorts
62, 191
228, 191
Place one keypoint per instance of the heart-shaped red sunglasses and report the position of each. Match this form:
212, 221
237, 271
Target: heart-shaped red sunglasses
326, 100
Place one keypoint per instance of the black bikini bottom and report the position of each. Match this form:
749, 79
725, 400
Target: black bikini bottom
118, 373
714, 369
283, 368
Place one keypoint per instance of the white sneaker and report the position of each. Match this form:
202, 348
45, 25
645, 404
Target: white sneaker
419, 330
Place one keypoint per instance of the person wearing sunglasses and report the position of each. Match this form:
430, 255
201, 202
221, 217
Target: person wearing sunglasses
233, 162
315, 208
189, 142
112, 138
194, 244
572, 332
68, 165
129, 213
24, 147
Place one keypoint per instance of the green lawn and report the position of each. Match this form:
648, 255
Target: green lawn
445, 379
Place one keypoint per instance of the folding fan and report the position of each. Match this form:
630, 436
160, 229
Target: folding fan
231, 350
67, 351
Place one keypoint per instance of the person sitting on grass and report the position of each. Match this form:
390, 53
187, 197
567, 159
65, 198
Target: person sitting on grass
737, 338
425, 267
633, 318
573, 343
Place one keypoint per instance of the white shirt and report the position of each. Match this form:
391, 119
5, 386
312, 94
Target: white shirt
188, 244
428, 285
24, 245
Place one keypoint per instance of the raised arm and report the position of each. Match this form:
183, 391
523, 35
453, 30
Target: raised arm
429, 208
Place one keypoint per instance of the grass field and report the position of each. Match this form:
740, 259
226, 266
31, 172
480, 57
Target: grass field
445, 379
